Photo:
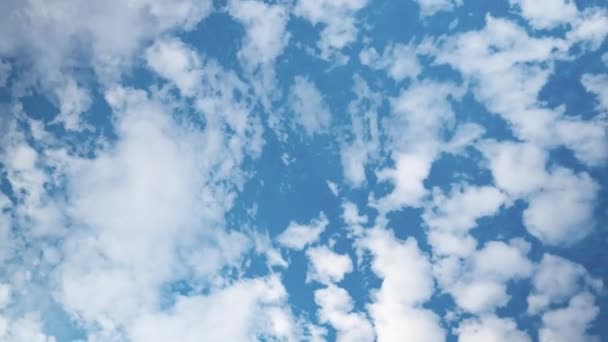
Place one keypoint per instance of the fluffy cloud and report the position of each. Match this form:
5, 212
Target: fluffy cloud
363, 145
308, 106
430, 7
546, 190
547, 13
419, 116
478, 282
337, 19
110, 34
336, 308
556, 280
399, 61
297, 236
265, 35
490, 328
326, 266
396, 307
508, 69
261, 313
172, 60
571, 322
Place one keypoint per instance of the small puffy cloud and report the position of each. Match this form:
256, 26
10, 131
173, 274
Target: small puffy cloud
25, 329
430, 7
326, 266
363, 145
574, 197
546, 14
556, 280
176, 62
111, 33
460, 209
570, 323
407, 283
309, 107
598, 85
450, 217
297, 236
252, 308
399, 61
336, 308
339, 27
408, 176
265, 33
590, 28
509, 160
478, 283
490, 329
73, 101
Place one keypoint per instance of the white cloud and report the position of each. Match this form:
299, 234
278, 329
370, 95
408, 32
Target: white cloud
362, 145
265, 33
26, 329
449, 218
556, 280
478, 283
570, 323
399, 61
73, 101
339, 27
253, 309
162, 189
590, 28
309, 107
547, 14
297, 236
173, 60
430, 7
508, 160
326, 266
459, 211
110, 33
598, 85
336, 308
574, 197
407, 283
419, 116
490, 329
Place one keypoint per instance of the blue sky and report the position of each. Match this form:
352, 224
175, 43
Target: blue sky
303, 170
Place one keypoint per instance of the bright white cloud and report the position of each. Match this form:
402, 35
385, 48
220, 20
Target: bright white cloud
407, 283
478, 283
399, 61
362, 147
546, 14
309, 107
419, 115
490, 329
173, 60
265, 34
110, 32
253, 309
574, 197
336, 308
556, 280
570, 323
326, 266
338, 21
430, 7
297, 236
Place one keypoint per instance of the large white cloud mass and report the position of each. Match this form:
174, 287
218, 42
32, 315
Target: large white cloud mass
172, 194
